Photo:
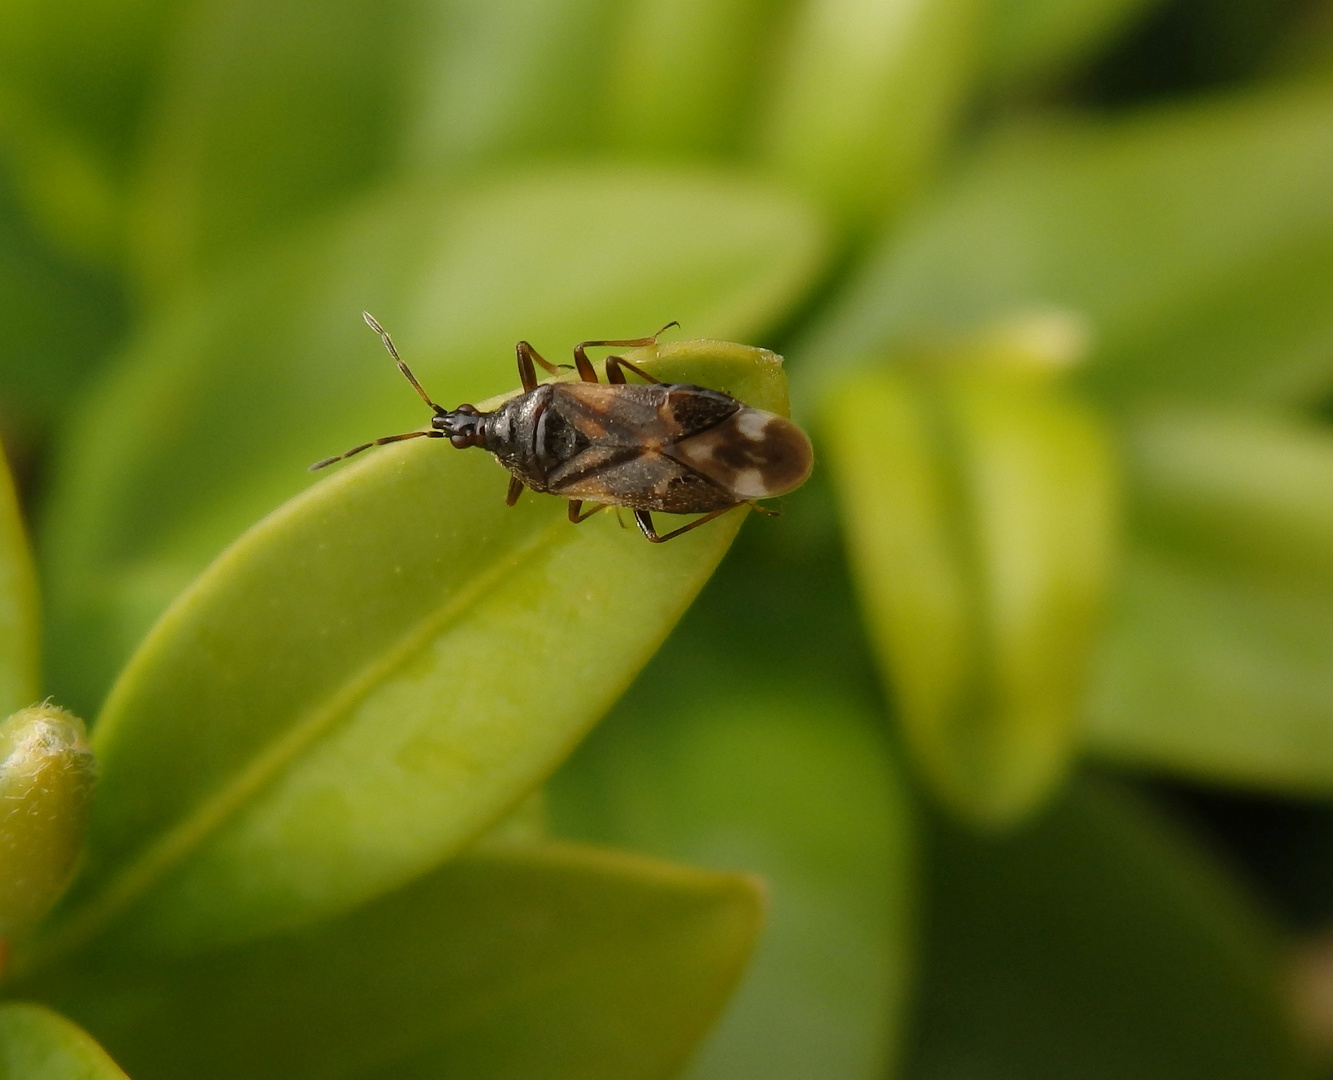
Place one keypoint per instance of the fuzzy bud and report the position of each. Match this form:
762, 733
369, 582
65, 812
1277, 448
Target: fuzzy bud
47, 773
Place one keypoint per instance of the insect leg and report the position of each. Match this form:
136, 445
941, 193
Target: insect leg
614, 374
645, 520
407, 372
575, 505
585, 367
765, 510
515, 490
527, 374
377, 442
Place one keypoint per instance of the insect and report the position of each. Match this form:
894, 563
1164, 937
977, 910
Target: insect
669, 447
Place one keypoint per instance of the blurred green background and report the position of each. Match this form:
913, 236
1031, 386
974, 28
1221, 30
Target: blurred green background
1023, 708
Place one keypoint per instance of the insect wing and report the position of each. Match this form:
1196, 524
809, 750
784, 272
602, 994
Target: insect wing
613, 415
642, 415
641, 479
752, 454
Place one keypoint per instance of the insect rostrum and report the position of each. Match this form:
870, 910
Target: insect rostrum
670, 447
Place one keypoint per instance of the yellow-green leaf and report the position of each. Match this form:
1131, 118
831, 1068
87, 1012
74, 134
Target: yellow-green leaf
980, 513
368, 679
37, 1044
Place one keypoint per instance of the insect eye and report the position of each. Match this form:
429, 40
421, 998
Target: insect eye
460, 442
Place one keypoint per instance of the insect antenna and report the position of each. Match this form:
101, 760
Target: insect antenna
378, 442
407, 371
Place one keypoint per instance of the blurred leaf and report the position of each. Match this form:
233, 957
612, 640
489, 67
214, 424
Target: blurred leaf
1240, 490
85, 66
1219, 660
271, 108
748, 744
46, 784
1034, 41
980, 514
59, 317
801, 792
37, 1044
66, 189
214, 414
865, 97
687, 75
368, 679
277, 109
545, 962
1097, 944
19, 605
1197, 242
510, 80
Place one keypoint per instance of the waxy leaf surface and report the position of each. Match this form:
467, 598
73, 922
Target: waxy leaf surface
37, 1044
550, 963
211, 418
368, 679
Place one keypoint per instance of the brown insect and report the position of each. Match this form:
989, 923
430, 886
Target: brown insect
669, 447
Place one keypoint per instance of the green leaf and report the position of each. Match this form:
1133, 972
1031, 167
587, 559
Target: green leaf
369, 678
37, 1044
212, 417
687, 75
1034, 41
1196, 243
980, 514
1218, 661
19, 606
1098, 943
752, 742
545, 963
865, 97
46, 783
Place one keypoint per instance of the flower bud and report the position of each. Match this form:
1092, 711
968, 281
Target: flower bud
47, 774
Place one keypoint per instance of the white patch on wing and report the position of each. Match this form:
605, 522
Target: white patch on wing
749, 484
752, 422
